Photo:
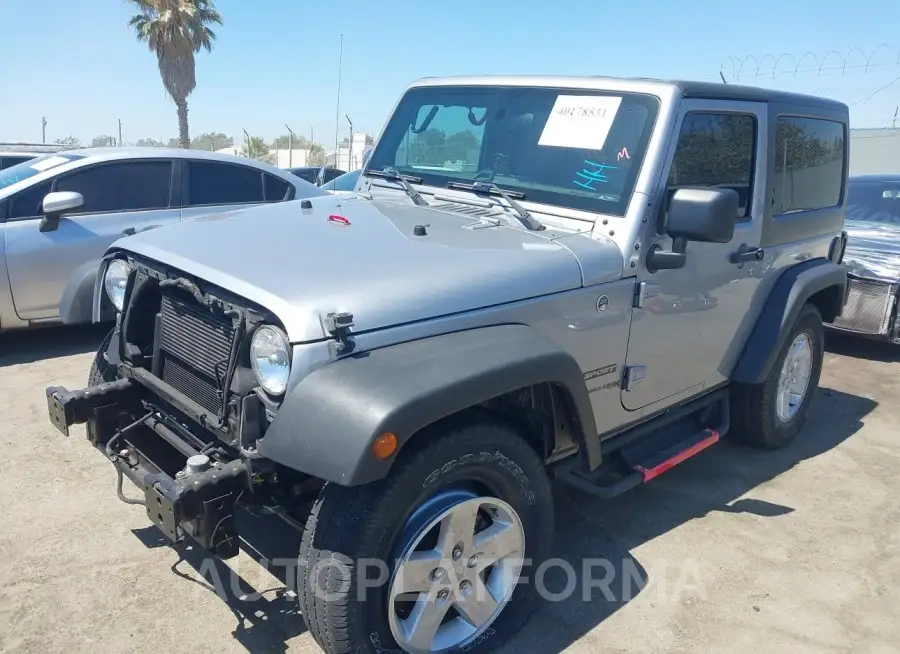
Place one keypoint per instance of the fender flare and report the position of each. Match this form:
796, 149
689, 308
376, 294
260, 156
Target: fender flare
328, 421
793, 288
77, 302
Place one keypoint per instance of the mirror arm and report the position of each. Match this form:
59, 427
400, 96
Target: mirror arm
659, 259
49, 223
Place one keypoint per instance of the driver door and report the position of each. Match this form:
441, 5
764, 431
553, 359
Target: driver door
689, 324
118, 195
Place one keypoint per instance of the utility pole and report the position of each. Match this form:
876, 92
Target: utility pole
120, 132
290, 147
247, 141
349, 145
44, 129
337, 108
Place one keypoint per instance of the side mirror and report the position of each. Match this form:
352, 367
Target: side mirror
702, 215
55, 205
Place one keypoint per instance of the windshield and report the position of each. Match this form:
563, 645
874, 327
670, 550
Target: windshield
345, 182
32, 167
873, 202
572, 148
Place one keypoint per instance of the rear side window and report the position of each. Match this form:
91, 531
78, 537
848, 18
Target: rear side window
125, 186
716, 150
809, 164
217, 183
276, 188
306, 174
332, 173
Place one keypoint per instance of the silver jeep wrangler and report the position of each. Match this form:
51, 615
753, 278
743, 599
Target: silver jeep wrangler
586, 279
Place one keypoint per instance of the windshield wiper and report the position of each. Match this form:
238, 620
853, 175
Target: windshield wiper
490, 188
392, 175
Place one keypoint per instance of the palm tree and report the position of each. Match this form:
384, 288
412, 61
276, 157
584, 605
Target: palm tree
175, 30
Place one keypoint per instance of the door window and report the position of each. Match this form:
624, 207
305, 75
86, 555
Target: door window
9, 162
27, 203
277, 189
217, 183
716, 151
126, 186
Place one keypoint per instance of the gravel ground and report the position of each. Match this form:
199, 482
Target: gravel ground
735, 550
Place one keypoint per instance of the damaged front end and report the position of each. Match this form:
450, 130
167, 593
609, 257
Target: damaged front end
181, 409
873, 276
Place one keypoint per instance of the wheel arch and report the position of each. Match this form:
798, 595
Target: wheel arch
820, 282
329, 420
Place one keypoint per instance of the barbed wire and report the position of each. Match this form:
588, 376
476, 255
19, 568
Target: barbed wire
788, 64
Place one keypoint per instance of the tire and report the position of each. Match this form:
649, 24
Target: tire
755, 416
437, 472
101, 371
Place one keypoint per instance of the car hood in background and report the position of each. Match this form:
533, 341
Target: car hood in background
873, 250
363, 256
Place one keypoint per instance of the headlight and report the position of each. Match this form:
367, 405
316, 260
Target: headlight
270, 356
115, 281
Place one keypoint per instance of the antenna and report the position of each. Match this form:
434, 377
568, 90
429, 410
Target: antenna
723, 77
337, 109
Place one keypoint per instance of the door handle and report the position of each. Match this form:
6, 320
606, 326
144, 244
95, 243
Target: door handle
745, 253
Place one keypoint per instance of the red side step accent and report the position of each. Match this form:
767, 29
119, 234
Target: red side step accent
668, 464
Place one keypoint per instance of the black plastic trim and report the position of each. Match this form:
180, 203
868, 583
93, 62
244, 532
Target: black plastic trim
328, 421
791, 291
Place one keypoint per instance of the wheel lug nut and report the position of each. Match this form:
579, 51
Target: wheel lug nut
473, 561
443, 594
437, 574
457, 553
465, 586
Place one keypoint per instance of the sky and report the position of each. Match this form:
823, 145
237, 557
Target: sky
77, 63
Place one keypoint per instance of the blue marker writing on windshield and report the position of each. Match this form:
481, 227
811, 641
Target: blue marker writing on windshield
591, 177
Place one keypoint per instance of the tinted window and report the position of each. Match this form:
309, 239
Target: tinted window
332, 173
9, 162
215, 183
573, 148
809, 164
306, 174
276, 189
873, 202
716, 150
126, 186
27, 203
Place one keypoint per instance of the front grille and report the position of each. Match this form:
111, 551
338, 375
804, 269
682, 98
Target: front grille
870, 305
194, 343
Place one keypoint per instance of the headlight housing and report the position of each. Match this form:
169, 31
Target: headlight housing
270, 357
115, 281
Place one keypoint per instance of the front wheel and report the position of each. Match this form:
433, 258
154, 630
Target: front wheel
438, 557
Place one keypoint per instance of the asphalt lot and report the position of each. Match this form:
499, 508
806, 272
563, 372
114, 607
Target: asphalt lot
735, 550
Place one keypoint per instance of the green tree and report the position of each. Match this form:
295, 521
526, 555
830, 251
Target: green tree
283, 142
175, 30
173, 143
211, 141
149, 143
370, 140
316, 156
69, 141
102, 141
255, 148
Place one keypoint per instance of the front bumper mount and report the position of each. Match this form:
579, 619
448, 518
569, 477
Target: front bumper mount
200, 505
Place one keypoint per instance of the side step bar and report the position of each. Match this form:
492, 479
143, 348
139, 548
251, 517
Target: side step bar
649, 456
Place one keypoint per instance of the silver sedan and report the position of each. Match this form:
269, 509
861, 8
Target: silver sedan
59, 213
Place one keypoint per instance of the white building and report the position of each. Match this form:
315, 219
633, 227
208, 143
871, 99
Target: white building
350, 156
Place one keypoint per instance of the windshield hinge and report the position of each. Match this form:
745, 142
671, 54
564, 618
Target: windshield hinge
339, 324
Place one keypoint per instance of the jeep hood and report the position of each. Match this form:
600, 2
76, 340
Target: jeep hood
300, 263
873, 250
